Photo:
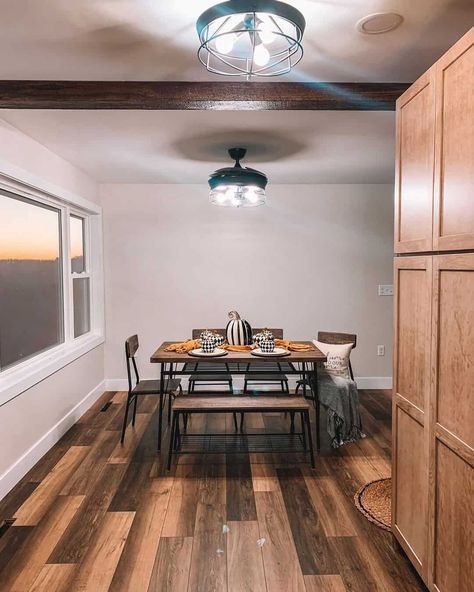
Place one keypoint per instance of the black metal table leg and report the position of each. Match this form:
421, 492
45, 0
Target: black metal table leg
317, 407
169, 395
160, 412
303, 372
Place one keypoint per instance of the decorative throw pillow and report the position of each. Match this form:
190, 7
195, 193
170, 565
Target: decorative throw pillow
337, 357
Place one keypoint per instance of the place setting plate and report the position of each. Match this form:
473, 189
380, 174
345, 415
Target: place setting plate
278, 352
217, 353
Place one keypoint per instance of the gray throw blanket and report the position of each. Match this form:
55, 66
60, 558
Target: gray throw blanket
340, 397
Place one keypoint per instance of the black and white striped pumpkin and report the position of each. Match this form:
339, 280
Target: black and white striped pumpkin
238, 331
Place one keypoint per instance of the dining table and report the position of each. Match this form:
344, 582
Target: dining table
303, 364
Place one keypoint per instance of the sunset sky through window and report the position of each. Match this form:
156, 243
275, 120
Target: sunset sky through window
29, 231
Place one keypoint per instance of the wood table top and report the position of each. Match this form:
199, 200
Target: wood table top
311, 356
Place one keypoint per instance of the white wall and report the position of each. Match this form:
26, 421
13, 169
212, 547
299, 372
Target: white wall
34, 420
310, 260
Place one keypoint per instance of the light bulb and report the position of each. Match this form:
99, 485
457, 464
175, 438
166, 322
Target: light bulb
230, 193
261, 55
266, 33
251, 196
225, 43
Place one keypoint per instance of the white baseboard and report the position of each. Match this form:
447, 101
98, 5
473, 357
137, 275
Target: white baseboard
19, 469
374, 382
363, 382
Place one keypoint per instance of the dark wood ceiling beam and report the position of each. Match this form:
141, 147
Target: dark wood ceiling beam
231, 96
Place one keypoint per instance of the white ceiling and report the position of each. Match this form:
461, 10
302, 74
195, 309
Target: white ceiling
156, 40
185, 146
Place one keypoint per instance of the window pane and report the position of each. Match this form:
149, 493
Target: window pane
31, 301
80, 291
76, 232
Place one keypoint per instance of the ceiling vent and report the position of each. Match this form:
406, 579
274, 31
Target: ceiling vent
379, 22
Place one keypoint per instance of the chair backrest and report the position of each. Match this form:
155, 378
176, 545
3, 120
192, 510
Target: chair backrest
131, 347
278, 333
339, 339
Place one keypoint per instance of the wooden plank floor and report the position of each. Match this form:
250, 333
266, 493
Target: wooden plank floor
96, 516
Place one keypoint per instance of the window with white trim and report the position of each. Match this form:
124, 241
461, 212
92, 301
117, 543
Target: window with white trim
51, 293
31, 294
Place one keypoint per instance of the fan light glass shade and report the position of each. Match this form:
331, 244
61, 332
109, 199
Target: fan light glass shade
250, 38
237, 186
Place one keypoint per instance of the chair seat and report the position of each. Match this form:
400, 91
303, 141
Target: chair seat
152, 387
198, 377
261, 377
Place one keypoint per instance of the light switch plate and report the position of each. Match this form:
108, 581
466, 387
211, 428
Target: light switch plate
386, 290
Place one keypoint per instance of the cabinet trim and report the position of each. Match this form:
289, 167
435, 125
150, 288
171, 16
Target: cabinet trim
448, 242
422, 243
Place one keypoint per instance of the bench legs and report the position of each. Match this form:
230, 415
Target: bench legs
310, 437
174, 422
175, 437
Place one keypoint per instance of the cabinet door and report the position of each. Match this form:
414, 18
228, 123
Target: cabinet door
412, 333
453, 227
452, 424
414, 167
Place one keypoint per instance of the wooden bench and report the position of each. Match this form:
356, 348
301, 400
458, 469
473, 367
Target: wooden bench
232, 404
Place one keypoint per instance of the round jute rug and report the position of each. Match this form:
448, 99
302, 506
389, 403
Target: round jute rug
374, 500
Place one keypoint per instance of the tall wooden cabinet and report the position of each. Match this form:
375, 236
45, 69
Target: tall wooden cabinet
433, 401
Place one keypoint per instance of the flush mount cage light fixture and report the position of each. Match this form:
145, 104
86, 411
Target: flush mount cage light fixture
250, 38
237, 186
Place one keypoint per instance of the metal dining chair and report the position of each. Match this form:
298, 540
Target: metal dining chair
142, 387
336, 339
332, 338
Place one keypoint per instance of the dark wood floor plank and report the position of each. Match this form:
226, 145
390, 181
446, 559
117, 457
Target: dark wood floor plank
264, 477
240, 498
245, 570
84, 477
41, 542
312, 546
15, 498
122, 453
54, 578
130, 490
36, 506
355, 570
280, 560
211, 500
181, 515
12, 543
331, 506
75, 542
171, 568
138, 558
394, 565
324, 584
93, 417
208, 569
99, 564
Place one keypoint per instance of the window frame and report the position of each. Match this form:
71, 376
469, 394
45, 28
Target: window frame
86, 246
17, 378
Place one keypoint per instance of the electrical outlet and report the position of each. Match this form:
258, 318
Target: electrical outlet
386, 290
380, 350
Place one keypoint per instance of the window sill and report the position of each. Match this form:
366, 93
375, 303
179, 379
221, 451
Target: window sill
20, 378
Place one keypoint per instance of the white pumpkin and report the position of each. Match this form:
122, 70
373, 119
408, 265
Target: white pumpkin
238, 331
